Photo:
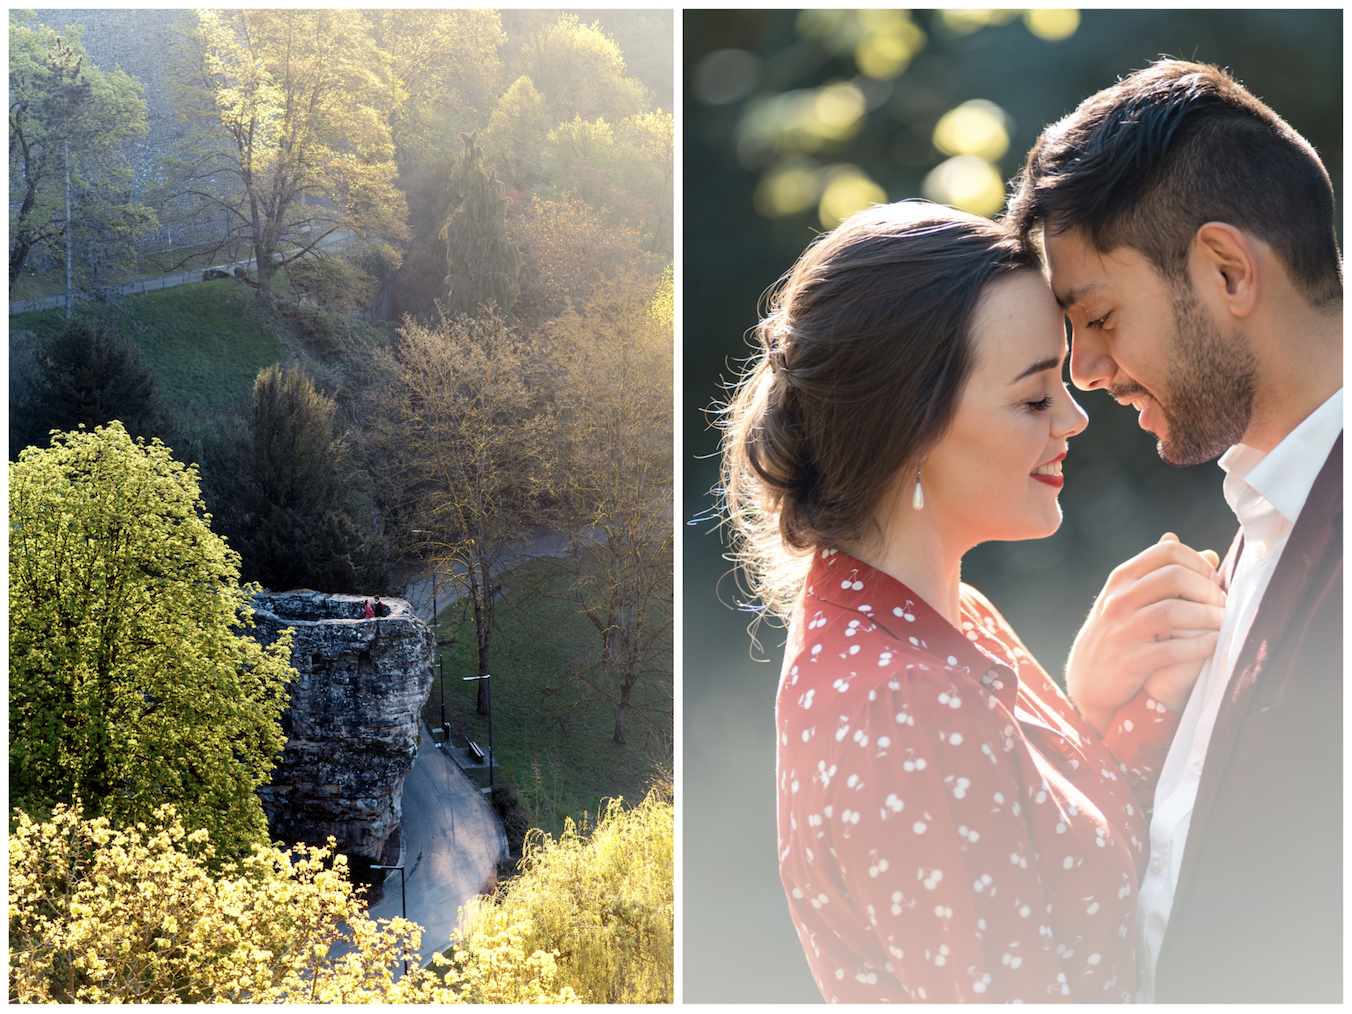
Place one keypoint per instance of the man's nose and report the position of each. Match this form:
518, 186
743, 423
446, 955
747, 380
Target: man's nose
1091, 366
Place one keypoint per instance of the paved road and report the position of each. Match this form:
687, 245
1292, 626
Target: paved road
452, 842
144, 285
541, 543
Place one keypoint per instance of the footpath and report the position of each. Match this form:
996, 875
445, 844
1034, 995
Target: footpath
451, 840
141, 286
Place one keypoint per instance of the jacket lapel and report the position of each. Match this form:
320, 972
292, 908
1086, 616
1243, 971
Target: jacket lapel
1304, 552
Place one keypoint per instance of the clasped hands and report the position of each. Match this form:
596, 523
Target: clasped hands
1154, 625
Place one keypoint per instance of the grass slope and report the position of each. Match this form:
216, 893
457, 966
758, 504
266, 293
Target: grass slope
204, 340
549, 738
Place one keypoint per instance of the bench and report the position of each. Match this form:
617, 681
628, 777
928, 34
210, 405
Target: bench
476, 752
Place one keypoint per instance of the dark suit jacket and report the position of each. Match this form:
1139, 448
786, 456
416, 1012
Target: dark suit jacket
1258, 914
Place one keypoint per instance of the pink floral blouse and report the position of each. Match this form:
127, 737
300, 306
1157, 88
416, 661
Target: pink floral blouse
950, 829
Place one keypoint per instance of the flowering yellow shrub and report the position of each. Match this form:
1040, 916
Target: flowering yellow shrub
602, 902
100, 915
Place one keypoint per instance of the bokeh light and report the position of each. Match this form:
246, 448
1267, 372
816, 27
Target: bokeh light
977, 127
967, 182
1052, 24
802, 121
789, 187
726, 76
848, 190
966, 20
889, 42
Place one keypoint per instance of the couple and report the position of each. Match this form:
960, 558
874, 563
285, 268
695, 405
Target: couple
951, 826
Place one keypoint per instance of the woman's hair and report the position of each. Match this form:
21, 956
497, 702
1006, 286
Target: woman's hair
863, 356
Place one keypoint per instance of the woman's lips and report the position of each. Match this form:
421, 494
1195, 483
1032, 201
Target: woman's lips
1050, 473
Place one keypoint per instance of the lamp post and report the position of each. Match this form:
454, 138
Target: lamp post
489, 695
403, 897
441, 668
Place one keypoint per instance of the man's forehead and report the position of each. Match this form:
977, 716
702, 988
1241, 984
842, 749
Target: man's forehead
1078, 271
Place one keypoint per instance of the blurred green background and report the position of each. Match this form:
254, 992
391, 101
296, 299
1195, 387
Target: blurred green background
792, 119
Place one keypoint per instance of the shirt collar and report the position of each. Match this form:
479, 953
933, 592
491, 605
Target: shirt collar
1284, 476
840, 580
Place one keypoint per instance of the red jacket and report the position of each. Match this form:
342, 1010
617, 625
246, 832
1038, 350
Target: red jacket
1258, 913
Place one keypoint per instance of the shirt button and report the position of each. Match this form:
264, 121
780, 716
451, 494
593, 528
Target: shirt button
1260, 551
1156, 865
1197, 767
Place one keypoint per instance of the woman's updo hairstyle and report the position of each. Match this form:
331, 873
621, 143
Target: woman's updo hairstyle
864, 353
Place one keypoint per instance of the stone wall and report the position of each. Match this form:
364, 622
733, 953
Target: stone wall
353, 722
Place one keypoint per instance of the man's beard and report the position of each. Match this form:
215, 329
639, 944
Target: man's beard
1208, 401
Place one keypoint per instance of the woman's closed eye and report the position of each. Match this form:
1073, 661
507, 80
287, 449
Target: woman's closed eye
1041, 405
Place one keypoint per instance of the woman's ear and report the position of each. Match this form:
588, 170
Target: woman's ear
1225, 267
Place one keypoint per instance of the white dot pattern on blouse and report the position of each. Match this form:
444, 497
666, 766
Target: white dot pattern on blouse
949, 828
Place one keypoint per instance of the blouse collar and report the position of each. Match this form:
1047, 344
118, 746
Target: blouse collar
840, 580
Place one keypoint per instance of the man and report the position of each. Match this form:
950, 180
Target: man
1189, 235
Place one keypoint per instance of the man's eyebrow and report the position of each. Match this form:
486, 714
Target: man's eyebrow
1075, 295
1052, 363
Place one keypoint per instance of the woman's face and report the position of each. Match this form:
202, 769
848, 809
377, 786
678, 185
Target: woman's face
996, 473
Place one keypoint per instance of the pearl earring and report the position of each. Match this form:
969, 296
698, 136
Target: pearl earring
918, 497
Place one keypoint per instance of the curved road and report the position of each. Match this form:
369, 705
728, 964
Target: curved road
451, 842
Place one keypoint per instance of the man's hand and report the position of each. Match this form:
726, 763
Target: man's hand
1154, 624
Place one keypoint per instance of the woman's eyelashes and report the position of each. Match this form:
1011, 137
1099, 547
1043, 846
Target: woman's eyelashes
1040, 405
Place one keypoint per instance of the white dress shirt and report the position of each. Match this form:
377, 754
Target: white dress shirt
1267, 493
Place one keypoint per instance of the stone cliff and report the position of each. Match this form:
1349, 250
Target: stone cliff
352, 726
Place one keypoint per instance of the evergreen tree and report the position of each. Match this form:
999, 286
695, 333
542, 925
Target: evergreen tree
484, 262
287, 497
86, 374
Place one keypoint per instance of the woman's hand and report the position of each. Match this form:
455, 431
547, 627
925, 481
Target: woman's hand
1154, 624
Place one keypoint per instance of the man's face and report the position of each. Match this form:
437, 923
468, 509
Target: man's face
1150, 343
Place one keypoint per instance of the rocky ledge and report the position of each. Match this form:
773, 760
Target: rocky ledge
352, 726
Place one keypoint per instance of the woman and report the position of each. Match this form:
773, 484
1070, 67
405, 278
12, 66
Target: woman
949, 827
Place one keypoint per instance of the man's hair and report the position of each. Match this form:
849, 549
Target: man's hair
1145, 163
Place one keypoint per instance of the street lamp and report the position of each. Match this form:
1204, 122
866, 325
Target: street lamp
403, 898
441, 668
488, 695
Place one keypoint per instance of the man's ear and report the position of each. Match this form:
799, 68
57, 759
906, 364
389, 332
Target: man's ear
1225, 264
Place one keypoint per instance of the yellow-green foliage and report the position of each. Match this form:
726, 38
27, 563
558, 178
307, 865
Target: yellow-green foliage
132, 679
99, 915
603, 902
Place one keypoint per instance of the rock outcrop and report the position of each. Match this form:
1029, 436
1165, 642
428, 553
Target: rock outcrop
352, 725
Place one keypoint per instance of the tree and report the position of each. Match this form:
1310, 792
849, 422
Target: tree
130, 684
468, 428
484, 262
86, 374
99, 914
651, 173
515, 138
602, 902
287, 497
567, 250
331, 281
581, 71
445, 68
287, 133
67, 116
618, 356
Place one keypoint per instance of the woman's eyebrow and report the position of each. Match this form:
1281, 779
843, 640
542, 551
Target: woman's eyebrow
1052, 363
